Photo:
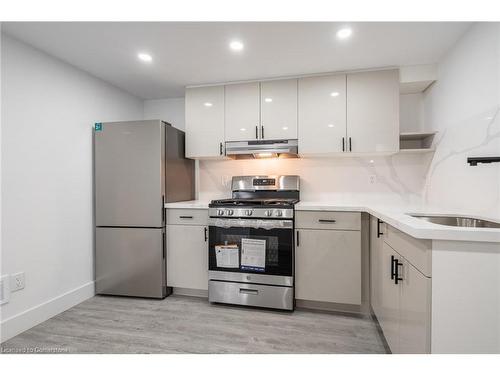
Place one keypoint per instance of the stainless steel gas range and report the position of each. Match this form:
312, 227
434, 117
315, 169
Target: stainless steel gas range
251, 243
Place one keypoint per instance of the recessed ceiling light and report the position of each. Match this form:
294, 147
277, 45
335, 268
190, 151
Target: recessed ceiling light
236, 45
243, 129
145, 57
285, 128
372, 161
334, 94
331, 125
268, 100
208, 104
344, 33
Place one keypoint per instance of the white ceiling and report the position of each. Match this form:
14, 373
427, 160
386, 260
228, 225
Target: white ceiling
195, 53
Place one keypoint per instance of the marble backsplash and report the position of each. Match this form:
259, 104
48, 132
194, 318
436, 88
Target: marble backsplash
392, 180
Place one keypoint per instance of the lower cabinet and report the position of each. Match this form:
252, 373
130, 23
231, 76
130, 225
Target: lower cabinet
415, 311
187, 256
328, 263
400, 298
376, 243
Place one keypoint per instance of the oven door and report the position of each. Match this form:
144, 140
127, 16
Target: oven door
264, 250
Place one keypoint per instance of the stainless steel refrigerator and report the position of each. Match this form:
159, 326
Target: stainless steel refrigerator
138, 167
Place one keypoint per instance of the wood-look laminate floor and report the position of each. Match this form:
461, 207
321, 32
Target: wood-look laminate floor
180, 324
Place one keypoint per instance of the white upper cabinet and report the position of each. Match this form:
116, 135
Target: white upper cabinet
354, 113
373, 112
205, 122
322, 114
278, 103
242, 112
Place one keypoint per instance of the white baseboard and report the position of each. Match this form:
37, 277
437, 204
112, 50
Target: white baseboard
16, 324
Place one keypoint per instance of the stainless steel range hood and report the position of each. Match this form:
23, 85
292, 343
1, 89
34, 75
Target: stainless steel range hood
262, 149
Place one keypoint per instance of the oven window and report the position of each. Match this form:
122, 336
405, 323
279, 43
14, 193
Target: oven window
276, 245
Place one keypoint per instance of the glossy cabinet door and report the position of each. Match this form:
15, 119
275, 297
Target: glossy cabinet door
376, 262
373, 111
328, 266
322, 114
415, 311
242, 111
278, 103
187, 256
390, 295
205, 122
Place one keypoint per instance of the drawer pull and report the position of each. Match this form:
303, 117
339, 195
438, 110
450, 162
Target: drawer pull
185, 217
327, 221
249, 291
379, 232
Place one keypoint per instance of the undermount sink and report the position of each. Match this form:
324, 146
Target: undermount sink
457, 221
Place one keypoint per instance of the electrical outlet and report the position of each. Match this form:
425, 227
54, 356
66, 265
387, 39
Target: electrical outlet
4, 290
17, 281
373, 179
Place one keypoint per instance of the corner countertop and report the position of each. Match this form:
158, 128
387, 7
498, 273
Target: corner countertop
396, 216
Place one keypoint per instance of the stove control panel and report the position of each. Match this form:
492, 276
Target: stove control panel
264, 213
264, 181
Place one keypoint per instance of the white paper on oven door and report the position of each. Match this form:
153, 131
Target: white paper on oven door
227, 256
253, 254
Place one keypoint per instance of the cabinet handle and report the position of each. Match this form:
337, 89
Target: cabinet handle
256, 132
326, 221
392, 266
206, 234
379, 233
185, 217
298, 239
220, 148
249, 291
350, 145
396, 271
262, 131
343, 144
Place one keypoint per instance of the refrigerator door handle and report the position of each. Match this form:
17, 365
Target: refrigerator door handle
164, 242
163, 209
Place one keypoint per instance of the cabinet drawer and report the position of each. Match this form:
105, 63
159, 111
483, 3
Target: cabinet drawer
328, 220
187, 216
416, 251
277, 297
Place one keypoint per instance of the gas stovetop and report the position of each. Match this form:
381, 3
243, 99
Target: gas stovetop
253, 202
263, 197
252, 208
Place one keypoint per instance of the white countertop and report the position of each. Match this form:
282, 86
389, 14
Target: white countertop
395, 216
196, 204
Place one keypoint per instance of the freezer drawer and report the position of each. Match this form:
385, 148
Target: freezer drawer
276, 297
130, 262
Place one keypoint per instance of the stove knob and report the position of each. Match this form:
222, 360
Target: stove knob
248, 212
229, 212
220, 212
279, 213
269, 212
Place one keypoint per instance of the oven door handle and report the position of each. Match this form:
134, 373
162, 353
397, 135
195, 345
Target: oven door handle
250, 223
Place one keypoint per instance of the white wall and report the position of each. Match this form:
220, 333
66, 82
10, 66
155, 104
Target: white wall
411, 112
463, 106
169, 110
48, 109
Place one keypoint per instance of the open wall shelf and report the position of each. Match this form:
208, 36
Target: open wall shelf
416, 142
